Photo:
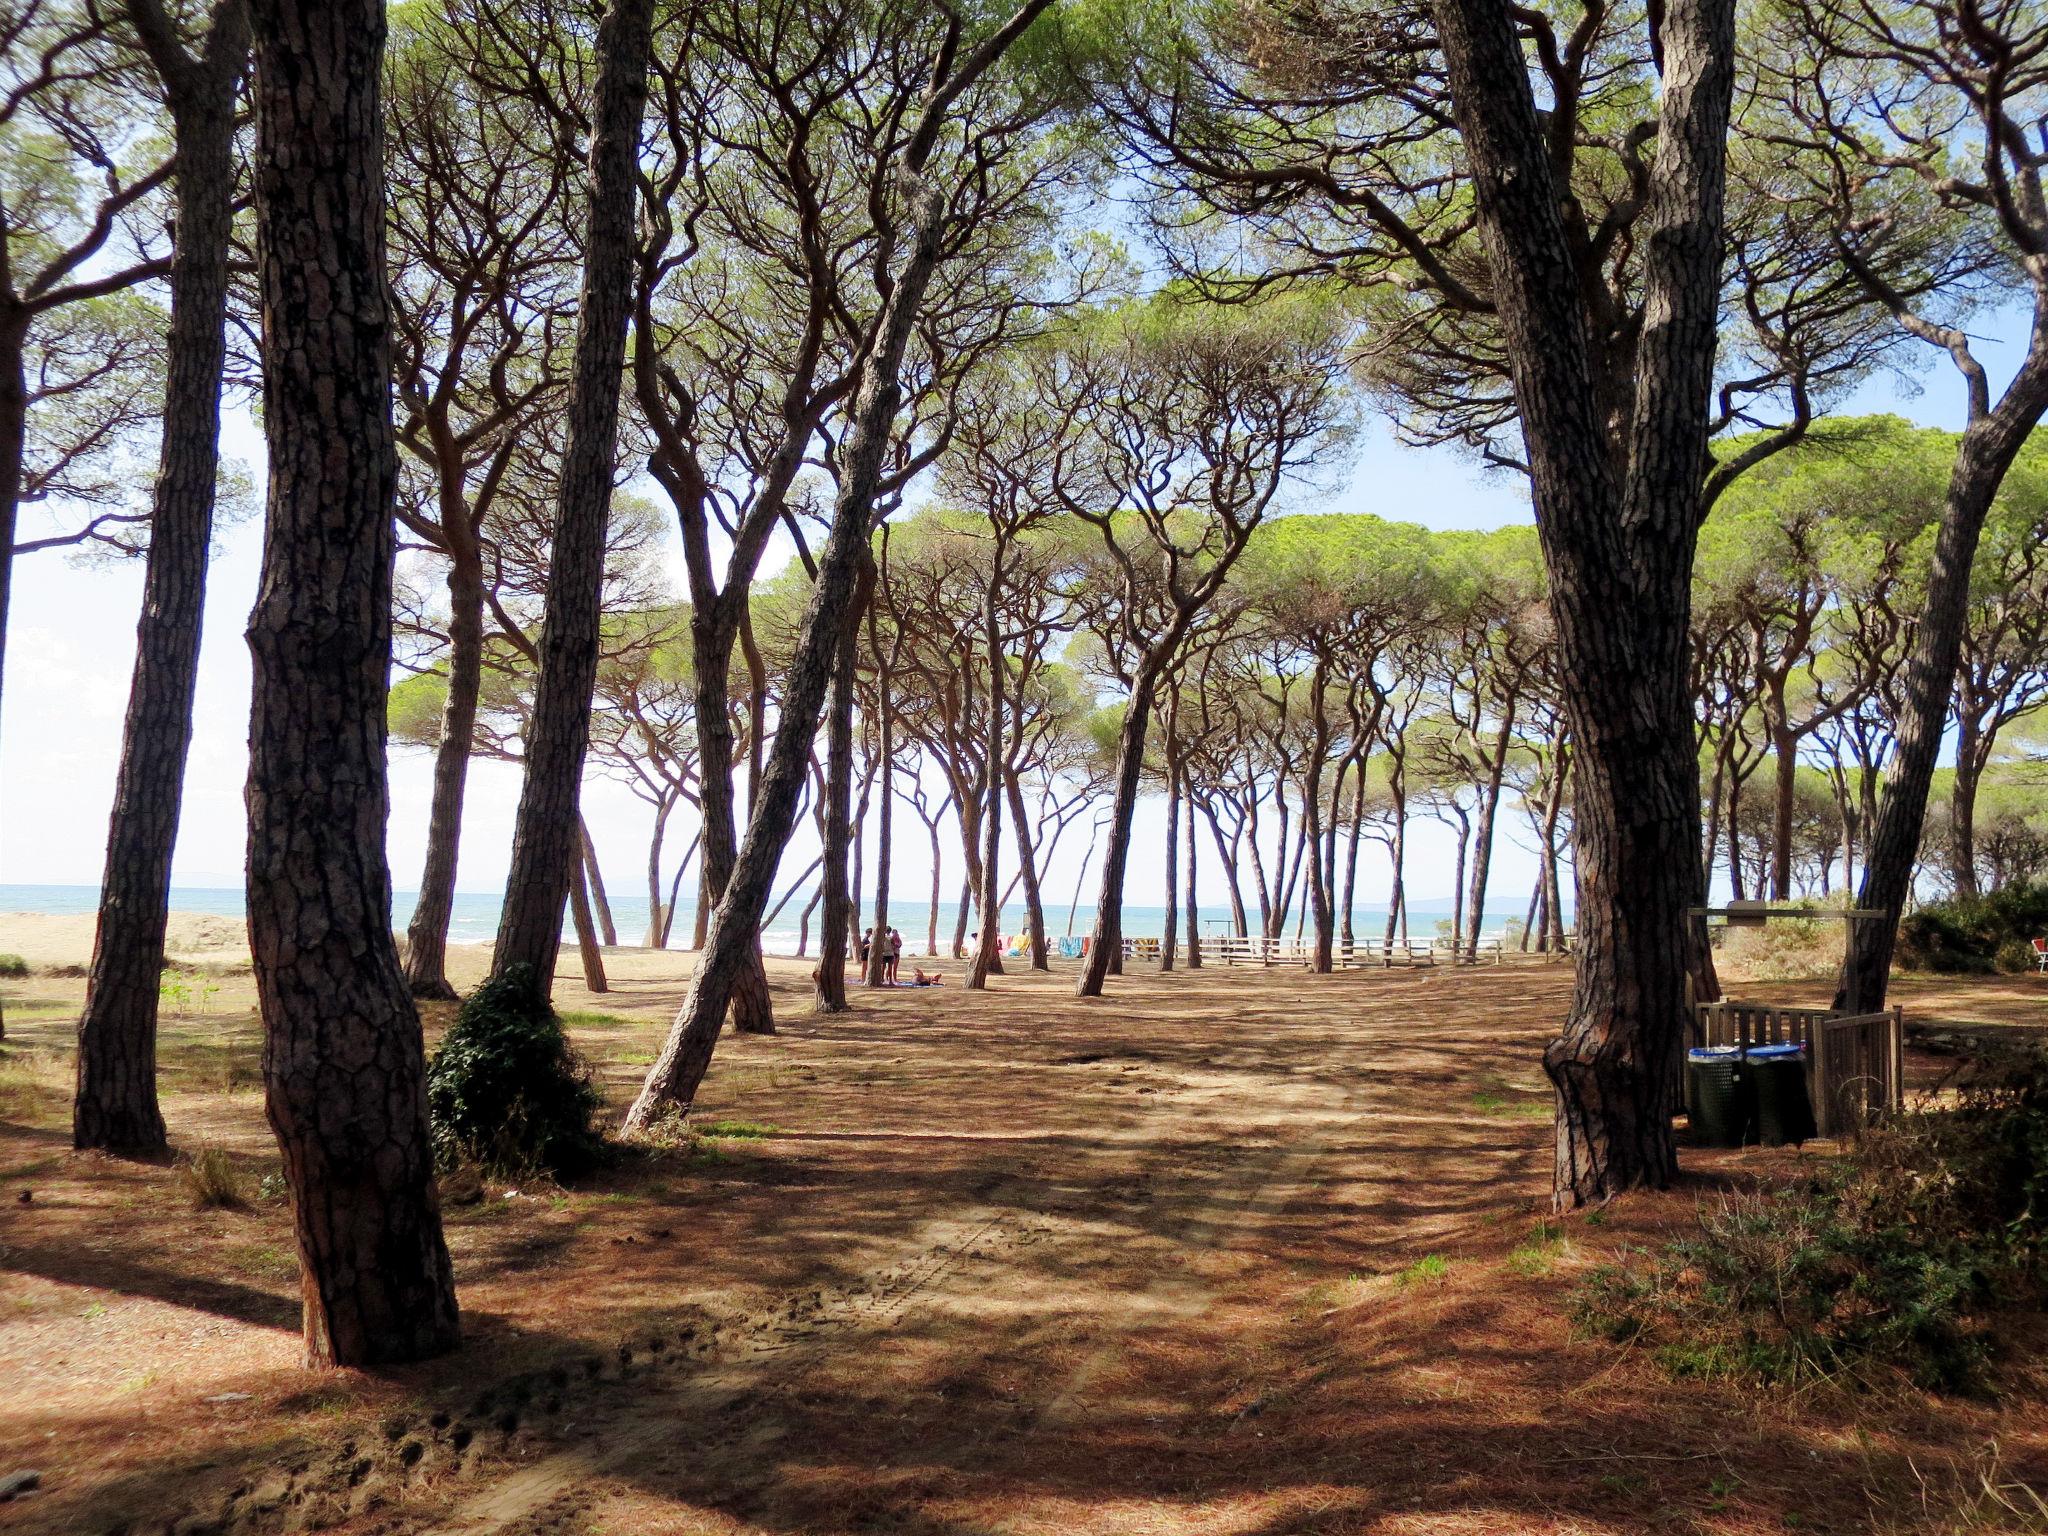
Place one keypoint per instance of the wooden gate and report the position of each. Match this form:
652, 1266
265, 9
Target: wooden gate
1854, 1062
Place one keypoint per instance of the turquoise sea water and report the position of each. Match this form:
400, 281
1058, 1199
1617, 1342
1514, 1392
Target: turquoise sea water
475, 918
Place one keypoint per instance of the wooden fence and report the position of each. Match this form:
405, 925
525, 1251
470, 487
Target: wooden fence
1230, 949
1855, 1071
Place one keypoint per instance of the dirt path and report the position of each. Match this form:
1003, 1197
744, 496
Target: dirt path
1213, 1157
1224, 1254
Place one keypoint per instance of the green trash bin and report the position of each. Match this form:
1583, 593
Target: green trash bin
1784, 1111
1718, 1096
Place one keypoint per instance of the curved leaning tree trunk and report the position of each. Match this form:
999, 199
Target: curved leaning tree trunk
1106, 947
547, 838
1619, 548
1027, 871
733, 943
426, 933
1990, 443
836, 886
342, 1059
116, 1105
713, 637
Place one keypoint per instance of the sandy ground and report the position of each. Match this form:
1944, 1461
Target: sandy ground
1235, 1253
47, 942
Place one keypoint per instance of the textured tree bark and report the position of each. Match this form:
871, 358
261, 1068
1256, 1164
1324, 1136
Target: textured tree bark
1169, 937
1962, 814
1482, 839
1785, 783
1194, 907
116, 1105
545, 839
1397, 898
600, 903
1027, 870
1105, 951
342, 1060
13, 444
1352, 838
1619, 548
714, 631
1321, 959
587, 950
886, 727
426, 934
988, 951
836, 887
1989, 445
733, 946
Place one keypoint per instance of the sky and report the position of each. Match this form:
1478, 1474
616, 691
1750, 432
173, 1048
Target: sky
70, 646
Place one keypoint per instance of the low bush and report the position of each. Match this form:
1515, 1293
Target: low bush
1897, 1258
13, 965
210, 1177
1975, 933
507, 1092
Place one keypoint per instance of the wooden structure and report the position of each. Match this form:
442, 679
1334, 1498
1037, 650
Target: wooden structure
1230, 949
1855, 1067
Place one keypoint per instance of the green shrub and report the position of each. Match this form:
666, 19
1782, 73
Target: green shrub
1971, 933
506, 1091
1898, 1258
13, 965
2015, 957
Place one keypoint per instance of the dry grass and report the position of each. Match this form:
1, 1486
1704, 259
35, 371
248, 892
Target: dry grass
1226, 1254
212, 1181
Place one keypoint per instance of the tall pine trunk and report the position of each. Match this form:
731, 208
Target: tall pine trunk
1482, 841
1105, 950
1962, 808
546, 839
587, 949
116, 1105
885, 729
1169, 937
426, 935
714, 632
343, 1065
1027, 871
1618, 539
1194, 908
988, 951
837, 888
600, 903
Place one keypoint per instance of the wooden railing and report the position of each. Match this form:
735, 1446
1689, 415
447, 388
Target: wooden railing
1855, 1071
1230, 949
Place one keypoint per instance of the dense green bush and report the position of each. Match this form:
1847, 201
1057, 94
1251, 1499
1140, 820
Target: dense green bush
1895, 1259
506, 1090
13, 965
1969, 933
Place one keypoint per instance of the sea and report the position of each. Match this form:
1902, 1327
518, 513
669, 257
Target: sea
475, 916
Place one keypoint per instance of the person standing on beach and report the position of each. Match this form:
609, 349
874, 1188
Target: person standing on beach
895, 954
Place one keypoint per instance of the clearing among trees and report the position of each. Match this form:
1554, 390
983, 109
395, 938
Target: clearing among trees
1237, 1251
